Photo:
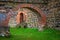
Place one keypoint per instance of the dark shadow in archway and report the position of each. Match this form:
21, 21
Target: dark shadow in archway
21, 17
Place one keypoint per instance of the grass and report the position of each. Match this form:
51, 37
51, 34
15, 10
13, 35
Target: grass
32, 34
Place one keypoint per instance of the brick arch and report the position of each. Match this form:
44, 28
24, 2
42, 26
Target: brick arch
43, 16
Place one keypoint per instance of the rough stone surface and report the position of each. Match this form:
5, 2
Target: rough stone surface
51, 9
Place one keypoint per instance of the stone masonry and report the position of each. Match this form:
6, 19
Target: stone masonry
50, 10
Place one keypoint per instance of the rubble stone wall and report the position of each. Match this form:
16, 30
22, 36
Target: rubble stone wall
51, 9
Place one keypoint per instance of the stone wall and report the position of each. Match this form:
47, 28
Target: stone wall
51, 8
32, 19
12, 21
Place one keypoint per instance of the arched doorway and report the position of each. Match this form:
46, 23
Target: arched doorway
43, 16
21, 17
30, 17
